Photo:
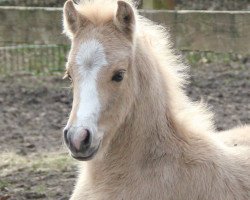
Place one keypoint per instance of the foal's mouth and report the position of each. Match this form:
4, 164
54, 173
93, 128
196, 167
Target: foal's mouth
86, 158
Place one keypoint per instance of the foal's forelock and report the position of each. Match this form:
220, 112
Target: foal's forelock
90, 59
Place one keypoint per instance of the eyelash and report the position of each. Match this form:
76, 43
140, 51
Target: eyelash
67, 75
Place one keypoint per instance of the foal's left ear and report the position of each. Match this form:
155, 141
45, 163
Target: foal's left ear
125, 18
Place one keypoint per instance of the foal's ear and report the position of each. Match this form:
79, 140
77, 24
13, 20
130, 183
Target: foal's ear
72, 20
125, 18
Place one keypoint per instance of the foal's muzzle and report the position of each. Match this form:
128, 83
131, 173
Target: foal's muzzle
79, 143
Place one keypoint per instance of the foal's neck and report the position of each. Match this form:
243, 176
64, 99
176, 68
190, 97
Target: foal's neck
152, 117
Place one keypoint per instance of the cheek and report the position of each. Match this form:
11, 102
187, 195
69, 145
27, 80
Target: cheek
115, 102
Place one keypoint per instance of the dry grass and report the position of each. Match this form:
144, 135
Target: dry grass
12, 162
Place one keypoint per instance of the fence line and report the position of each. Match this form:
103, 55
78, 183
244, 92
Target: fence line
31, 38
219, 31
33, 58
26, 46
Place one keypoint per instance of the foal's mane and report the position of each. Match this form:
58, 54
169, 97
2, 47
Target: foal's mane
191, 117
194, 116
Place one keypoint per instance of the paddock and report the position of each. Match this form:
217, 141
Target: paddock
35, 108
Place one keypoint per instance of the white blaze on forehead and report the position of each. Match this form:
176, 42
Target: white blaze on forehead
90, 59
91, 55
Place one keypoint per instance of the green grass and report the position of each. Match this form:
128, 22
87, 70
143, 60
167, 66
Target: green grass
195, 57
3, 184
35, 162
40, 189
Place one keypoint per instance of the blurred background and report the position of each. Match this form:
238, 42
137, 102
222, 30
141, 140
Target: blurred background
212, 36
151, 4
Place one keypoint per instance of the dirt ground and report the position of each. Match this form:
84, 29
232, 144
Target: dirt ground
33, 161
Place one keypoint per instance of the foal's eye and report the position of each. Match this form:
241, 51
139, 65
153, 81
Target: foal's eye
118, 76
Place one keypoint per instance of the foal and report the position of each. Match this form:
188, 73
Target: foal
131, 119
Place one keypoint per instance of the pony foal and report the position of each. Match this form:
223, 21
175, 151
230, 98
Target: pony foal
131, 119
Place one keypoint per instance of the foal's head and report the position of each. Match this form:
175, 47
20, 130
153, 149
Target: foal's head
100, 68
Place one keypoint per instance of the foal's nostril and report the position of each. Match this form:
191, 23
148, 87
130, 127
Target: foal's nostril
65, 134
65, 131
87, 139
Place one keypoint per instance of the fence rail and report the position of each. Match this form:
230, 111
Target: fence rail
219, 31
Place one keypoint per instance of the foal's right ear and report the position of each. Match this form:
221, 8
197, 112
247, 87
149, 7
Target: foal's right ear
72, 20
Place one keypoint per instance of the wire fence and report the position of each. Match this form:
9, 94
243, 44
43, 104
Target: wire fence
50, 59
36, 59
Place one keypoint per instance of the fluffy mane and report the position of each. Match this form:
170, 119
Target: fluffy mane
191, 115
194, 115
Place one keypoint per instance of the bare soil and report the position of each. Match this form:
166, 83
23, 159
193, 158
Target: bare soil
33, 162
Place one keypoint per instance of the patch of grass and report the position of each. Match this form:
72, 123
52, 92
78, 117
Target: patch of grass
35, 162
196, 57
58, 162
40, 189
193, 58
3, 184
